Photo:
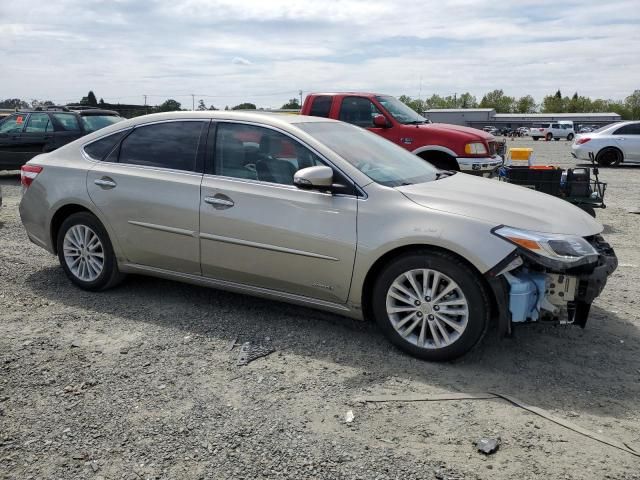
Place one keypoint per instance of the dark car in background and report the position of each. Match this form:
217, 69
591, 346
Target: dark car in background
25, 134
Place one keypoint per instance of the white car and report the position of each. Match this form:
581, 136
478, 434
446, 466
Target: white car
611, 145
555, 130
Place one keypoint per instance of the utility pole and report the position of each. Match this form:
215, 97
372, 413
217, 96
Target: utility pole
455, 100
300, 93
145, 103
193, 102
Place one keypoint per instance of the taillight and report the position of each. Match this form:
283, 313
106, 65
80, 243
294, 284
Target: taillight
582, 140
28, 173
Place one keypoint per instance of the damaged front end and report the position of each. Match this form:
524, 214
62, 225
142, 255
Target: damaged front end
549, 277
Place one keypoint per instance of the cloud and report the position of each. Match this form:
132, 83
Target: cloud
240, 61
126, 48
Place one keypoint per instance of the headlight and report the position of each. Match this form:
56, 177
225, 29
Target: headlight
475, 148
552, 250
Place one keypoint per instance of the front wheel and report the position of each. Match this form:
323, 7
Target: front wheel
535, 139
85, 253
570, 137
431, 305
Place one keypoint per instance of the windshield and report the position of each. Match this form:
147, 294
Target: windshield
382, 161
400, 111
92, 123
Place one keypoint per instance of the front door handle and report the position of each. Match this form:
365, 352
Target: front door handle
219, 201
105, 182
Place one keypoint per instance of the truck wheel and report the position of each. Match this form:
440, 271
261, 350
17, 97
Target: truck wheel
440, 160
431, 305
535, 139
609, 157
549, 137
570, 137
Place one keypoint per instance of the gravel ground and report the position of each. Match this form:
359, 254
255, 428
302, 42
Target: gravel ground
139, 382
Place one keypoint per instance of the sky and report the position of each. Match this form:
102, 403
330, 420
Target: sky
266, 51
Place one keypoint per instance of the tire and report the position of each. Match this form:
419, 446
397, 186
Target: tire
570, 137
441, 160
80, 259
421, 341
535, 139
548, 137
609, 157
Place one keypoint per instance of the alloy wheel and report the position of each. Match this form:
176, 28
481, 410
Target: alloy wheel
83, 253
427, 308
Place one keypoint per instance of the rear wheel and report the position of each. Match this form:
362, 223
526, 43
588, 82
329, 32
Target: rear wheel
86, 254
609, 157
431, 305
570, 136
535, 139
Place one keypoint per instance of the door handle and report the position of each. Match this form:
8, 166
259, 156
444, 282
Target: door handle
219, 201
105, 182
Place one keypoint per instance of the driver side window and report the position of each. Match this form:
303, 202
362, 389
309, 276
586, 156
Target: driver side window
257, 153
358, 111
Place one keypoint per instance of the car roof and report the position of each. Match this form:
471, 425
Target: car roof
93, 111
268, 118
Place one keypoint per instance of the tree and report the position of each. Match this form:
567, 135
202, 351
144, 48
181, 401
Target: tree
201, 105
101, 102
633, 104
245, 106
35, 103
553, 104
13, 103
467, 101
526, 104
170, 105
292, 104
414, 104
89, 100
211, 107
498, 101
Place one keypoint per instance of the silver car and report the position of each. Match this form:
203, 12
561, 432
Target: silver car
318, 213
611, 145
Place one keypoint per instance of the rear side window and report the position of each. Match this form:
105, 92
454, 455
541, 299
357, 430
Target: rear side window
166, 145
100, 148
631, 129
68, 121
321, 106
91, 123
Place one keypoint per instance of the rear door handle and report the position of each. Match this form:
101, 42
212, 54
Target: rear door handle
105, 182
219, 201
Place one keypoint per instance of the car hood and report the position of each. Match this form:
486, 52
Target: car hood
500, 203
457, 130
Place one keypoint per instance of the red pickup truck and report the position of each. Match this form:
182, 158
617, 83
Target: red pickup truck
450, 147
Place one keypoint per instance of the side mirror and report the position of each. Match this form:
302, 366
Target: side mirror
380, 121
319, 177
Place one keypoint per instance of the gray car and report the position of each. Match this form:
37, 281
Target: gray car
318, 213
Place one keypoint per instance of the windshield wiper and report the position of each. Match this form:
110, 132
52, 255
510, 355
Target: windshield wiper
444, 174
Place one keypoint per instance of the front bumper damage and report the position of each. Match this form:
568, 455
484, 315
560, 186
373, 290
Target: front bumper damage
525, 291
